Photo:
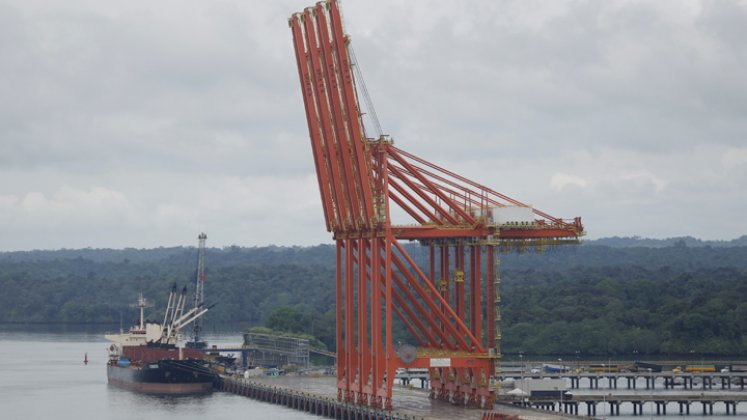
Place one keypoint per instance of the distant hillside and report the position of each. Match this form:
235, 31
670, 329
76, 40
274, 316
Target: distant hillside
637, 241
598, 299
134, 255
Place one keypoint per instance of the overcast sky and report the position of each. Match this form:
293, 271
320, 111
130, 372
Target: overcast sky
142, 123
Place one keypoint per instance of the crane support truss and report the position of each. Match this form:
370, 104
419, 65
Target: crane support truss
359, 179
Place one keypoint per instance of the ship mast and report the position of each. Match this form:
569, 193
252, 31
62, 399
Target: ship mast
141, 304
199, 286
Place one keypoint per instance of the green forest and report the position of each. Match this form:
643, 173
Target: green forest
611, 297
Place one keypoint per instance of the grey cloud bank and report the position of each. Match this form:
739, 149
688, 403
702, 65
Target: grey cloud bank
142, 124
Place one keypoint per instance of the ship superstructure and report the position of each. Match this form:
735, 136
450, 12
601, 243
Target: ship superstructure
147, 357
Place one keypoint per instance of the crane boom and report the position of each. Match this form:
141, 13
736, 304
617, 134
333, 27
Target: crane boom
359, 178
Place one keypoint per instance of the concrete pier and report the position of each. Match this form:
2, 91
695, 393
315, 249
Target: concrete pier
306, 402
317, 395
668, 380
657, 402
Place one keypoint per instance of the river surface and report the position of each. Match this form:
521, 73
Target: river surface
42, 376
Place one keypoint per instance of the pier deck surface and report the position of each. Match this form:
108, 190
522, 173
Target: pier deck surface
412, 402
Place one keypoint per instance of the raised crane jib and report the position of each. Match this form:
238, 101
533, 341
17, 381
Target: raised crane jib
334, 119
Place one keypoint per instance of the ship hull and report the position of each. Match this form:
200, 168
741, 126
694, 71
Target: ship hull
163, 377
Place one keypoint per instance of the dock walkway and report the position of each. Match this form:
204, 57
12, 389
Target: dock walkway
669, 380
317, 395
684, 401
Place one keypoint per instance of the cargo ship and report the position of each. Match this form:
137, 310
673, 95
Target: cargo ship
148, 358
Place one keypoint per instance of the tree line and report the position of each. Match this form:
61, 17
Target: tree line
593, 300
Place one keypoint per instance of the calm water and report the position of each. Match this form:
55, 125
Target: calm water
42, 375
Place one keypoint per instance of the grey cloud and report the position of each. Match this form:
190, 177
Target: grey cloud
597, 74
160, 119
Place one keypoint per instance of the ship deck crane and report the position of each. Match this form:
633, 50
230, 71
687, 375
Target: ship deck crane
176, 318
462, 223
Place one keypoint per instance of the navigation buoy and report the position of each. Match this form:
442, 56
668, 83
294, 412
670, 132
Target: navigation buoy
85, 359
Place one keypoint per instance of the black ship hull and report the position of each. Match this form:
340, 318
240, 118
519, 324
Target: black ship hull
163, 377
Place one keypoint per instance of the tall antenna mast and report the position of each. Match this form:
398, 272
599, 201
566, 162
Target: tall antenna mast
141, 303
199, 286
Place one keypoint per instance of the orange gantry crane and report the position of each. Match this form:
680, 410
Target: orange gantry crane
450, 307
